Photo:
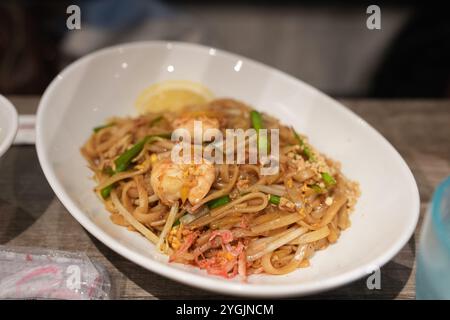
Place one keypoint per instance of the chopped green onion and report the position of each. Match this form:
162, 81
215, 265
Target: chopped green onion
306, 149
257, 124
124, 160
106, 191
274, 199
317, 188
176, 223
166, 135
155, 121
215, 203
257, 121
328, 179
97, 129
108, 171
309, 154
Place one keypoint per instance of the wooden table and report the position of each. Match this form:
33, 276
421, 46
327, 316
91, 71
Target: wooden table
31, 215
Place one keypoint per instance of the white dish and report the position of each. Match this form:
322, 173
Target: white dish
8, 124
106, 83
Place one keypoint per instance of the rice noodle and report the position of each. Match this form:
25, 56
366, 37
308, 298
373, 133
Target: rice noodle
312, 236
169, 222
282, 221
276, 190
338, 202
189, 217
291, 266
231, 208
132, 221
271, 246
228, 219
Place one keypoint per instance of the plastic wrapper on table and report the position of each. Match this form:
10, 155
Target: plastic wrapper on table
33, 273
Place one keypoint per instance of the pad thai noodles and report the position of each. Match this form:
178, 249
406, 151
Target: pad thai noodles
227, 219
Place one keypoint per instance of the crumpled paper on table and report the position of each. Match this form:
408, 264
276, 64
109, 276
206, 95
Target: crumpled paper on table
34, 273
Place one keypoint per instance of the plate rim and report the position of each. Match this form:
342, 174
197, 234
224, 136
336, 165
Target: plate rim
208, 282
13, 117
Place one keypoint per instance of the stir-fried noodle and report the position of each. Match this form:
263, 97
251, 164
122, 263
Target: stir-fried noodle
225, 218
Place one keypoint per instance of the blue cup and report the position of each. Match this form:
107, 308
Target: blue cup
433, 258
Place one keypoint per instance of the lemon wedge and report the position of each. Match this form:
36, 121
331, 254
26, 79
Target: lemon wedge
172, 95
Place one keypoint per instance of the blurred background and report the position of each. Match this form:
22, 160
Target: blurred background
324, 43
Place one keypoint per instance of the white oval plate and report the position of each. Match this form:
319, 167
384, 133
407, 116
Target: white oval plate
106, 83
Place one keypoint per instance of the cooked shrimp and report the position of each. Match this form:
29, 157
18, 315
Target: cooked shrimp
187, 122
172, 182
